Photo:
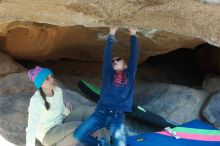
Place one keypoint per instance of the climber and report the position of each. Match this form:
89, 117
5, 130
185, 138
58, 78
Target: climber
116, 95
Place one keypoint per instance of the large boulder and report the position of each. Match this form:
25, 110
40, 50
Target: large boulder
211, 83
177, 104
13, 117
16, 83
8, 65
211, 111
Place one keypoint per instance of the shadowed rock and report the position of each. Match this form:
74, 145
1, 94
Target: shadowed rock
211, 83
8, 65
212, 110
177, 104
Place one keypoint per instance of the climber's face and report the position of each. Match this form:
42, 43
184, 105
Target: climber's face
118, 64
49, 83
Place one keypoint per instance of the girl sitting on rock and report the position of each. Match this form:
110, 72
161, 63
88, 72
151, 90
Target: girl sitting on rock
48, 119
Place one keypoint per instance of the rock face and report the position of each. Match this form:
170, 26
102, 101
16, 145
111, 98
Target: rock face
189, 18
212, 110
178, 104
41, 30
39, 43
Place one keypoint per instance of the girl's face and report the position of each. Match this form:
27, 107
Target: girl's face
49, 83
118, 63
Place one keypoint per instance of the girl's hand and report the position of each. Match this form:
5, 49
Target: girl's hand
133, 31
113, 30
69, 105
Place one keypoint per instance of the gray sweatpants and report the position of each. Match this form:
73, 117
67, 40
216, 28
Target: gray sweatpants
61, 135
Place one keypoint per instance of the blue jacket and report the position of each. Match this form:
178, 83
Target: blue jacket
117, 94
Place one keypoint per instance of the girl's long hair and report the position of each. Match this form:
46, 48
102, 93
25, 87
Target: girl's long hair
47, 104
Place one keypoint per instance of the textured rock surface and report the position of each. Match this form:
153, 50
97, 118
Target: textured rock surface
211, 1
13, 117
189, 17
16, 83
212, 110
166, 24
177, 104
8, 65
40, 43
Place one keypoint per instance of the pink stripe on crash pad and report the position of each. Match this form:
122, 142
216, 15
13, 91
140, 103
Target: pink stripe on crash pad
193, 136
